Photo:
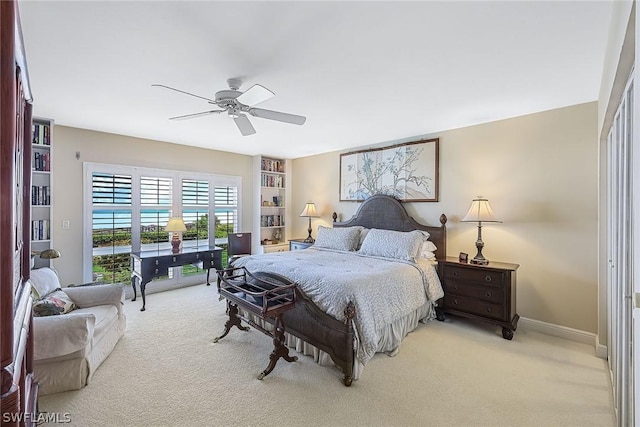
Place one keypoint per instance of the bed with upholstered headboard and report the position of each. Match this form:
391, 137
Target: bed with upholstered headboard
381, 260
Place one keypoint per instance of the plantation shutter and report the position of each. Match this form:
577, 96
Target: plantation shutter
111, 227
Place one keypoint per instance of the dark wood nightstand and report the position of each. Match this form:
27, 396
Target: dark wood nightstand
297, 244
481, 292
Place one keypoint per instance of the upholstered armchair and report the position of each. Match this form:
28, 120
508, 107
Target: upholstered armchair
75, 330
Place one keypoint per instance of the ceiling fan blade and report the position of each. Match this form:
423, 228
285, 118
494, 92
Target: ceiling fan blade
255, 95
193, 116
186, 93
245, 126
276, 115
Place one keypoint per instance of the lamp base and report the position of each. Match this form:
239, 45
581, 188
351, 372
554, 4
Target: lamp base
309, 239
175, 244
482, 261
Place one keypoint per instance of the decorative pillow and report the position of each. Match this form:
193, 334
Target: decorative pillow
342, 239
392, 244
57, 302
43, 282
427, 250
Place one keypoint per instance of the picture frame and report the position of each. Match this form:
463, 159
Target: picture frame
408, 171
463, 257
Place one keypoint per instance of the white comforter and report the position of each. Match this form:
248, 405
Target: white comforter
383, 290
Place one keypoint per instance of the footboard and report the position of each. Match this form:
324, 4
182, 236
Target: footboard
307, 322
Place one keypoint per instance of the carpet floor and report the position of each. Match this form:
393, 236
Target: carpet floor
166, 371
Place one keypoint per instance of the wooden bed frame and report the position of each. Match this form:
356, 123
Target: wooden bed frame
307, 322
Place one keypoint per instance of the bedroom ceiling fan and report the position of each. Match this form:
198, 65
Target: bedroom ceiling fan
236, 104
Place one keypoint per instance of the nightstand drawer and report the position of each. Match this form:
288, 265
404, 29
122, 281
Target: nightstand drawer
474, 306
484, 277
485, 293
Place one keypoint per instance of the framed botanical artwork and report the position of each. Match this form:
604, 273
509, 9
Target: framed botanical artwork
408, 172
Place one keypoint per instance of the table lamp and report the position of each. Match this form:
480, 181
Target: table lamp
480, 211
310, 212
176, 226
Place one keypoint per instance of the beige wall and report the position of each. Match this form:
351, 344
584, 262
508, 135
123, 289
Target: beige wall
539, 173
67, 192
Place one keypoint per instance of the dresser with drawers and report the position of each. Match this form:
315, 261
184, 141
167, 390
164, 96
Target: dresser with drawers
481, 292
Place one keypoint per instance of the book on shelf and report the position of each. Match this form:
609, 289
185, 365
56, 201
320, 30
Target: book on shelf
41, 162
41, 134
272, 181
40, 229
40, 195
269, 165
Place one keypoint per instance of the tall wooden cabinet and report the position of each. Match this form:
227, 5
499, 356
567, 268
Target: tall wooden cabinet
272, 204
19, 391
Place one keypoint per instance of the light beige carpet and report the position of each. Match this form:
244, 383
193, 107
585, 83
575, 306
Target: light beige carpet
166, 371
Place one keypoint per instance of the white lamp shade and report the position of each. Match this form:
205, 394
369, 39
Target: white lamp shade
310, 211
175, 224
480, 211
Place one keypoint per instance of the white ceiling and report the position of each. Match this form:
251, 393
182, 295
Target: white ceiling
362, 73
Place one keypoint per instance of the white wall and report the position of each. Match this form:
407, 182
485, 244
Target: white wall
539, 173
116, 149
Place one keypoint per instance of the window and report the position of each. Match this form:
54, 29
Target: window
156, 204
127, 209
111, 225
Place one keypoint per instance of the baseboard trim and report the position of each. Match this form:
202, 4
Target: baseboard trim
602, 351
566, 333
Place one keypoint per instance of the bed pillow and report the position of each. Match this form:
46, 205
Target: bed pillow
57, 302
363, 234
392, 244
342, 239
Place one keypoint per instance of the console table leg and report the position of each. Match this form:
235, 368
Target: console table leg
143, 286
234, 320
133, 285
279, 349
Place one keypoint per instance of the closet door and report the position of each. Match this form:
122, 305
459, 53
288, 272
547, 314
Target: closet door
619, 245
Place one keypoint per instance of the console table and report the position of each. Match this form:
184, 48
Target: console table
145, 265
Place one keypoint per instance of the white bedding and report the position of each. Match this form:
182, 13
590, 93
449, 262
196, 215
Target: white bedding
383, 290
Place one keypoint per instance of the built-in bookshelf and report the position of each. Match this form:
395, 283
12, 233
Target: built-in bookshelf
272, 191
42, 130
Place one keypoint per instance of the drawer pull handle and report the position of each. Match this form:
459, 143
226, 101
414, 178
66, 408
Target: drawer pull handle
488, 294
488, 309
455, 302
455, 287
156, 271
455, 273
174, 259
197, 256
487, 278
157, 262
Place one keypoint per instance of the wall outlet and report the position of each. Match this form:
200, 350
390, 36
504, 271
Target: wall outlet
66, 225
